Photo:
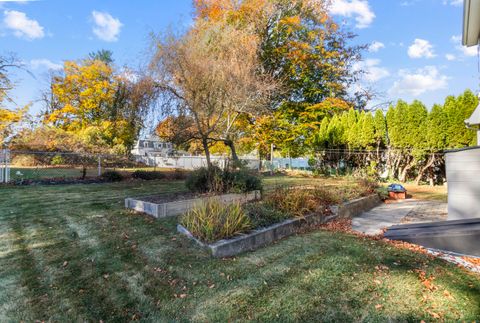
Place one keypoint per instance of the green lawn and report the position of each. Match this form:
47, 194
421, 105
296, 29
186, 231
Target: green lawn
73, 253
35, 173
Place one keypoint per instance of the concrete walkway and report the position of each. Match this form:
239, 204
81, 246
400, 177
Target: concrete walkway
374, 221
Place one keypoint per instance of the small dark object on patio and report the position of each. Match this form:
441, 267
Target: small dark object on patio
397, 192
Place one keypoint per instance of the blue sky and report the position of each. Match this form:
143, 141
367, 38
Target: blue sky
415, 52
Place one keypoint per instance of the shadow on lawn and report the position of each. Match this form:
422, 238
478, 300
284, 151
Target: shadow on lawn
122, 266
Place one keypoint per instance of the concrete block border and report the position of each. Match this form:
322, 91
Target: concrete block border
254, 239
261, 237
356, 207
173, 208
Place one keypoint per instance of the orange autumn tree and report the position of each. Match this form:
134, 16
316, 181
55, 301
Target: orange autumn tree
211, 76
303, 47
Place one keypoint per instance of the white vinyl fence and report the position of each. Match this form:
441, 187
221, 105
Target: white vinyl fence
192, 162
4, 166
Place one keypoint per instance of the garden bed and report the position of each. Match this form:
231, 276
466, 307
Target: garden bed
176, 204
260, 237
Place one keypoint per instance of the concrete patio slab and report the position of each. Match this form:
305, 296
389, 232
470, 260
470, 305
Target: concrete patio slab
374, 221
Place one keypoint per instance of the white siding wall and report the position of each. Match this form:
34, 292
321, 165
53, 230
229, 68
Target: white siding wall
463, 179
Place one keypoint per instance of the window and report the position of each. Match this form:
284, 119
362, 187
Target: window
145, 144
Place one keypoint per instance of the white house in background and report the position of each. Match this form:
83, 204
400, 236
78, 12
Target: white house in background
152, 146
463, 165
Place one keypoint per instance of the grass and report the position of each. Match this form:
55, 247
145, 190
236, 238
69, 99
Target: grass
72, 252
424, 192
36, 173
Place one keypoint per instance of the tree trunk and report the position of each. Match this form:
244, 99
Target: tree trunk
403, 174
207, 153
230, 144
423, 169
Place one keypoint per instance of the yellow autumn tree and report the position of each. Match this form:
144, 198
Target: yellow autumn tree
9, 118
98, 105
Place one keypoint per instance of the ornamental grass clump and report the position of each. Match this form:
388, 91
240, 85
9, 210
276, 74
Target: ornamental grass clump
301, 201
213, 220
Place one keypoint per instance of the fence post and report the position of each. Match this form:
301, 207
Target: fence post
2, 171
99, 165
7, 166
5, 169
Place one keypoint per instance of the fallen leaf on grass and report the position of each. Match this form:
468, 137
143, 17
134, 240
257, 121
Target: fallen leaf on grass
433, 314
378, 306
211, 286
447, 294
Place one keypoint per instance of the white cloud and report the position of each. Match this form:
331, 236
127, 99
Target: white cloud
354, 8
450, 57
408, 3
376, 46
106, 27
420, 81
456, 38
372, 71
421, 48
22, 26
466, 51
45, 63
456, 3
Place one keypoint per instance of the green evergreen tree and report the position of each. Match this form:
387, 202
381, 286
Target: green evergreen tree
380, 127
367, 132
457, 110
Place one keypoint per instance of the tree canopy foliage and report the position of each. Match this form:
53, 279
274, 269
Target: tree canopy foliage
205, 78
406, 142
221, 69
9, 118
103, 107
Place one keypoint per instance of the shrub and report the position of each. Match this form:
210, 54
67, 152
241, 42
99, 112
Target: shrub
213, 220
24, 160
382, 191
262, 214
300, 202
368, 186
178, 174
198, 180
245, 182
112, 176
147, 175
57, 160
216, 180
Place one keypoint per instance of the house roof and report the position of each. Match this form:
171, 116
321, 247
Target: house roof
471, 22
474, 119
461, 149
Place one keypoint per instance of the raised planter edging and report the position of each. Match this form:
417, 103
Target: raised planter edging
356, 207
261, 237
161, 210
256, 238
